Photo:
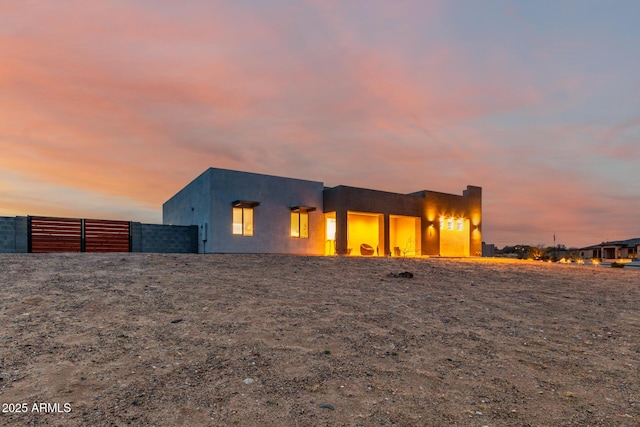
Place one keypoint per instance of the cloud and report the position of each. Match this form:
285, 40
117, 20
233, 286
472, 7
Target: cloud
619, 140
23, 196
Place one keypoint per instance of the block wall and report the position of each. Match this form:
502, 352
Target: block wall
166, 238
14, 237
7, 235
22, 234
14, 234
136, 237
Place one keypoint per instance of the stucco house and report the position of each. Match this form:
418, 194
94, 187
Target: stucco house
612, 251
243, 212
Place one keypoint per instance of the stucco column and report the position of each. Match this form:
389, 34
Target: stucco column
474, 208
341, 232
431, 238
386, 234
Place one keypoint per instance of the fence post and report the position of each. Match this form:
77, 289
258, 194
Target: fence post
83, 239
29, 249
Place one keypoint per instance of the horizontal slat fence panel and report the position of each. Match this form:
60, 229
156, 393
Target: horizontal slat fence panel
106, 236
55, 234
48, 234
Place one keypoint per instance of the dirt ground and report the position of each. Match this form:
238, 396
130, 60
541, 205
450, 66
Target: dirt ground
268, 340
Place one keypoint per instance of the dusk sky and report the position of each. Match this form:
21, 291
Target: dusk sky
108, 108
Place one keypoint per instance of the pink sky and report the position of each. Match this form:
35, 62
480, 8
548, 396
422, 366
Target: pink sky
109, 108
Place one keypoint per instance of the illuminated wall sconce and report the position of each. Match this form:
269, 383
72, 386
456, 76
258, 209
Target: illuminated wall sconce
450, 223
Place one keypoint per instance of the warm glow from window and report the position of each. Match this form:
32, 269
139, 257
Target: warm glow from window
460, 224
237, 221
247, 221
331, 229
450, 224
304, 225
243, 221
300, 225
295, 224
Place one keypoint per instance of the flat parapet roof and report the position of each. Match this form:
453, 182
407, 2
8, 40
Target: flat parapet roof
351, 188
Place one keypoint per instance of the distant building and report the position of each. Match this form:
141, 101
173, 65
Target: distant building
488, 249
242, 212
611, 251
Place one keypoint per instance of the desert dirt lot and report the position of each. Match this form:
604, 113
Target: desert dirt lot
248, 340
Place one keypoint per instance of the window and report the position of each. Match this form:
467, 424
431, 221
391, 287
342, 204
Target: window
460, 225
300, 225
300, 221
243, 217
243, 221
331, 228
450, 224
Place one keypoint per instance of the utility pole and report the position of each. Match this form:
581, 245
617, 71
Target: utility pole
555, 254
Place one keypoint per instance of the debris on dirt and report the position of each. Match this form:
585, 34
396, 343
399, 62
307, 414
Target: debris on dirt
326, 406
176, 320
248, 381
405, 274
